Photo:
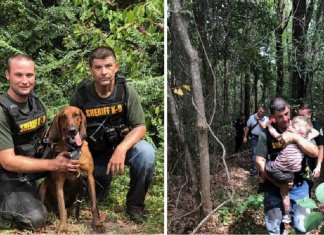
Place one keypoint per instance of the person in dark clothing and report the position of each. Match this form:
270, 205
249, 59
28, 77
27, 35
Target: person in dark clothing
268, 149
116, 128
240, 124
22, 122
314, 164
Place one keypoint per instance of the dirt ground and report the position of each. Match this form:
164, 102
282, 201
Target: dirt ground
115, 222
183, 214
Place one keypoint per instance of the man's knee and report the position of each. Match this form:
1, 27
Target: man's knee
35, 219
27, 210
143, 154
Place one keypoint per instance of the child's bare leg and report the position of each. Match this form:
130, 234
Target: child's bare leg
284, 191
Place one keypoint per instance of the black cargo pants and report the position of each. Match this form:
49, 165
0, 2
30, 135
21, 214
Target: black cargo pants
20, 203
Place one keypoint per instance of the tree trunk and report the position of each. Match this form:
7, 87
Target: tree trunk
234, 100
202, 128
242, 105
247, 91
255, 84
299, 82
180, 131
279, 48
225, 94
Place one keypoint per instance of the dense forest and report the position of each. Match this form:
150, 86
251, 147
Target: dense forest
226, 58
58, 35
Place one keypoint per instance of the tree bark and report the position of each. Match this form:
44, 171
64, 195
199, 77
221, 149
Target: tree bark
234, 100
255, 84
247, 90
242, 87
279, 49
202, 129
180, 131
299, 82
225, 94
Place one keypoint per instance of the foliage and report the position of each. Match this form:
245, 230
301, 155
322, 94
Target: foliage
134, 33
255, 201
225, 216
314, 219
229, 214
59, 35
152, 96
154, 200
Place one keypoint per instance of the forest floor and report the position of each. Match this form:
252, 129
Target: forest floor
114, 220
244, 216
112, 214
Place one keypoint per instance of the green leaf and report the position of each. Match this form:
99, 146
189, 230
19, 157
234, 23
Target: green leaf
307, 203
313, 220
293, 231
322, 230
319, 192
130, 17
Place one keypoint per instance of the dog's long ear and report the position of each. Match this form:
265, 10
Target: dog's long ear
83, 128
55, 132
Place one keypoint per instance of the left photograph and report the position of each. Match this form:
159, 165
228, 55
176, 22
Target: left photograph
81, 117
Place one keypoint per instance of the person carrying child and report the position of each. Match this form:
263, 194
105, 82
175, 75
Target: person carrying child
268, 149
289, 160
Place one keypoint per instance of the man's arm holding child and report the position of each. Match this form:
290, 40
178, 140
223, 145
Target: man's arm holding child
305, 145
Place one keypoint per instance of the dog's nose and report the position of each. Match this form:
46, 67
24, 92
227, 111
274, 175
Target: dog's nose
72, 131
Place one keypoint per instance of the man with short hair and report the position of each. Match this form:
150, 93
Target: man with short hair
22, 122
268, 149
254, 125
314, 164
116, 128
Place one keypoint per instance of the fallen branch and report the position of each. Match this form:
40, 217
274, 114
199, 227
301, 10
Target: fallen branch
210, 214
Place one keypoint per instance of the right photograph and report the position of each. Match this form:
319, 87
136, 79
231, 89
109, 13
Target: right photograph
245, 115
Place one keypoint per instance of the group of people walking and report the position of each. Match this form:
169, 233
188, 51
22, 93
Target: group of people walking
286, 155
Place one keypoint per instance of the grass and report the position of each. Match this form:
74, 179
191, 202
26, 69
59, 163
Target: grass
112, 211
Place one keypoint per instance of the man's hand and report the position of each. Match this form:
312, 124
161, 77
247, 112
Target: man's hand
244, 140
306, 146
317, 172
61, 163
256, 116
116, 163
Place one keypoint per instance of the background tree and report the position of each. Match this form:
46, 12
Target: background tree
248, 52
198, 100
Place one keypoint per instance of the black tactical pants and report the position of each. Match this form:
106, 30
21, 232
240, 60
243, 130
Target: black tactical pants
20, 204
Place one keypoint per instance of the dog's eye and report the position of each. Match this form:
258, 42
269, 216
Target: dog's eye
62, 118
75, 115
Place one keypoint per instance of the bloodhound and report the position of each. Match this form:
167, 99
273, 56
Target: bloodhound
60, 190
